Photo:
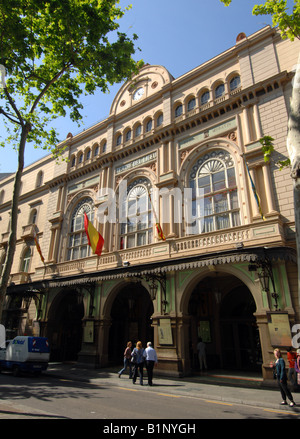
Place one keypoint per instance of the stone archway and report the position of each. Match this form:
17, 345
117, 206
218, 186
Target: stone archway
64, 327
221, 311
131, 320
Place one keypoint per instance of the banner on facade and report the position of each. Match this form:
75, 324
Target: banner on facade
279, 329
165, 332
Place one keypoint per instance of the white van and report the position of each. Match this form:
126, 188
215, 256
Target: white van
25, 354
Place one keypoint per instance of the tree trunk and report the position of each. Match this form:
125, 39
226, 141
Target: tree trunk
12, 239
293, 147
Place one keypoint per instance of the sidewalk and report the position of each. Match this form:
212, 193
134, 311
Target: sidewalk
246, 389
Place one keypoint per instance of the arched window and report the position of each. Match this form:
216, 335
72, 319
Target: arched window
119, 140
138, 130
104, 146
219, 91
178, 110
149, 125
235, 83
73, 161
25, 264
77, 241
191, 104
80, 158
159, 120
204, 97
39, 179
215, 196
128, 135
88, 154
33, 216
96, 150
136, 227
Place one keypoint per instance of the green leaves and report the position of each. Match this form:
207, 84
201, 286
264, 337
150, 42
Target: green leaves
54, 52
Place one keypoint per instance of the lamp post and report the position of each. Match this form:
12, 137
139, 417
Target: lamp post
265, 273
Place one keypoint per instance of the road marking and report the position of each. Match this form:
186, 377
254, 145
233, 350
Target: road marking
165, 394
281, 412
130, 390
217, 402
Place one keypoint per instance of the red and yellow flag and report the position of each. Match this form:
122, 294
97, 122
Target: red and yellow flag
160, 232
95, 240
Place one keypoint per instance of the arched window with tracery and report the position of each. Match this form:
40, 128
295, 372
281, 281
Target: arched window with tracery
77, 241
136, 228
213, 182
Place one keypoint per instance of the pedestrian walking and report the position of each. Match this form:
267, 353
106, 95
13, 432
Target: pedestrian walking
282, 378
292, 375
201, 349
127, 360
151, 360
138, 355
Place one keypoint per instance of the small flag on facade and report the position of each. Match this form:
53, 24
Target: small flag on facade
160, 232
95, 240
256, 196
157, 225
38, 245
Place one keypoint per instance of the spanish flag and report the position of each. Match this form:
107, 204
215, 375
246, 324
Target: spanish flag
160, 232
256, 196
95, 240
159, 229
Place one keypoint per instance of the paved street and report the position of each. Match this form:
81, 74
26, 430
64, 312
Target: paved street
69, 393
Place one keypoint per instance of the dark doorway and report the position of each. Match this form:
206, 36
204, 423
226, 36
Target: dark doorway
131, 320
223, 316
239, 332
64, 328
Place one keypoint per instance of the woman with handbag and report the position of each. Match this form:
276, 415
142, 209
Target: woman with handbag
138, 359
282, 378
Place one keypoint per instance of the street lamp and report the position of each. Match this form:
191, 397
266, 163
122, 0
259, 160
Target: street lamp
265, 273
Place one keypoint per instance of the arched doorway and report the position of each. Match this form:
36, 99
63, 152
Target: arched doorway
131, 320
221, 310
239, 332
64, 328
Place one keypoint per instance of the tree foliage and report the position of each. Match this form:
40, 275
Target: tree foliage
53, 52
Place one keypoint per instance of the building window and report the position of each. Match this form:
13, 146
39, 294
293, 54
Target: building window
80, 158
235, 83
191, 104
178, 110
149, 126
204, 98
159, 120
88, 154
73, 161
119, 140
33, 216
26, 261
39, 179
104, 147
213, 181
138, 130
77, 240
136, 226
128, 136
220, 91
96, 151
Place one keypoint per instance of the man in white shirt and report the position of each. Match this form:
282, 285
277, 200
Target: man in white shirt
151, 359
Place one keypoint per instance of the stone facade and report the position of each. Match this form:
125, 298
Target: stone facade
163, 136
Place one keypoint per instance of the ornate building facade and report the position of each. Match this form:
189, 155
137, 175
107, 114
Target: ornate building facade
178, 152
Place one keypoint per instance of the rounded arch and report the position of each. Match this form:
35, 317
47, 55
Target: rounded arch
64, 325
242, 276
190, 102
204, 95
129, 309
205, 147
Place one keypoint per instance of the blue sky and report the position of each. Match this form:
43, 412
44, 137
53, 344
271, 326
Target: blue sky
180, 35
